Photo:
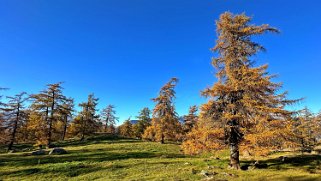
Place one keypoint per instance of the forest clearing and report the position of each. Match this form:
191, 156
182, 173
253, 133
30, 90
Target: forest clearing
155, 90
111, 158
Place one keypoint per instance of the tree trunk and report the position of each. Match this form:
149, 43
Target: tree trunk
15, 126
163, 139
234, 156
49, 134
303, 146
47, 122
13, 135
106, 125
51, 120
234, 140
65, 129
82, 129
82, 137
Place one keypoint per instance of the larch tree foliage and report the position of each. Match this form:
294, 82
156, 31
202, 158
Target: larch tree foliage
15, 115
317, 128
305, 130
165, 124
126, 129
36, 127
244, 106
65, 113
144, 121
47, 104
2, 128
86, 121
1, 89
191, 119
108, 117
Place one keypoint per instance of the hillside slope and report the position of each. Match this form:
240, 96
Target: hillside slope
125, 159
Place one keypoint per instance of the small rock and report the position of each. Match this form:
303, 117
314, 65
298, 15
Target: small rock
57, 151
232, 175
213, 167
214, 158
39, 152
204, 173
187, 163
229, 174
208, 174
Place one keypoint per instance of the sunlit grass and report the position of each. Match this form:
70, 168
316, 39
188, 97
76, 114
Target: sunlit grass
126, 159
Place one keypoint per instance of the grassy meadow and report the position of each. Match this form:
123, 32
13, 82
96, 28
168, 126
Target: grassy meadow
111, 158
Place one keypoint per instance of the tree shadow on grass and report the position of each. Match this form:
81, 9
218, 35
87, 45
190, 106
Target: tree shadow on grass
18, 160
302, 178
96, 140
106, 139
73, 165
93, 155
66, 169
312, 163
17, 148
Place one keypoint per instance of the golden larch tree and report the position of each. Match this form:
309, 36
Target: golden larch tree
86, 122
244, 100
165, 124
47, 103
191, 119
15, 115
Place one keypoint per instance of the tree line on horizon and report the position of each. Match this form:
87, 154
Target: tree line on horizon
51, 116
245, 109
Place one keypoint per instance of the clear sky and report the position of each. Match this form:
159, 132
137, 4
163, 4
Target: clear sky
125, 50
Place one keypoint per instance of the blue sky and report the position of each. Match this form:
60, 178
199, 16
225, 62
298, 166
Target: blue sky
125, 50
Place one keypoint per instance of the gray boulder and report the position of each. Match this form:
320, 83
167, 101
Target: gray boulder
57, 151
39, 152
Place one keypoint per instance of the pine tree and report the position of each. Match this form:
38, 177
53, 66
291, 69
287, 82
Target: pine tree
47, 103
144, 120
108, 117
15, 115
165, 123
191, 119
244, 97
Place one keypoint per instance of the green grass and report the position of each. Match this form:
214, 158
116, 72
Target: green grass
106, 158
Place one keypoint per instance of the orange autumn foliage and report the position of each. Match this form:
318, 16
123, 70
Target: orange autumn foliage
244, 104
